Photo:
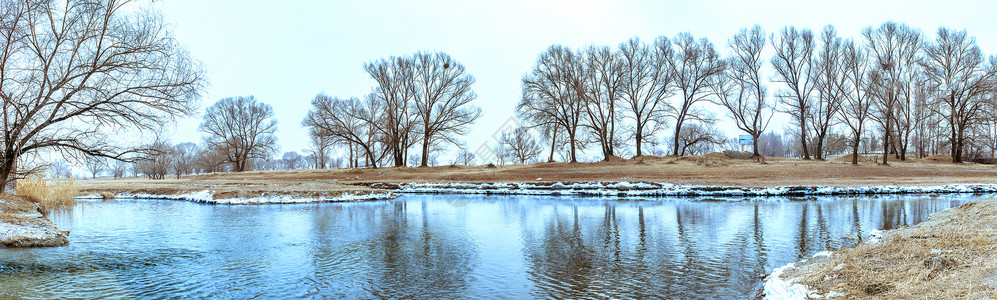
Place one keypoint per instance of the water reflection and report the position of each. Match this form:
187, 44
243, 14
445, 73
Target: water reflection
428, 247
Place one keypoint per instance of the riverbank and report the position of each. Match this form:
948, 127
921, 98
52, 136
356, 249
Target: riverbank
23, 225
952, 255
712, 175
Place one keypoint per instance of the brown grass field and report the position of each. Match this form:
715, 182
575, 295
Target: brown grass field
714, 169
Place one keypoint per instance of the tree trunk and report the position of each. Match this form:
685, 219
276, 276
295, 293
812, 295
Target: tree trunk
639, 139
886, 142
571, 138
425, 151
803, 138
553, 145
855, 150
7, 170
754, 145
675, 139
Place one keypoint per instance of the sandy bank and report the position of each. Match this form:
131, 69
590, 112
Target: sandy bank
23, 225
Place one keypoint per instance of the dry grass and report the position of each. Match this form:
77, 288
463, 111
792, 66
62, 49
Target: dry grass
712, 169
951, 256
49, 194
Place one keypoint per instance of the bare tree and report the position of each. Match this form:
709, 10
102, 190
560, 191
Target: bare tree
771, 144
740, 88
829, 77
292, 160
696, 138
320, 146
602, 84
73, 71
60, 169
551, 95
956, 67
184, 156
443, 98
520, 145
646, 86
464, 157
857, 103
155, 164
893, 51
793, 62
242, 127
356, 122
211, 159
395, 92
693, 64
94, 165
119, 169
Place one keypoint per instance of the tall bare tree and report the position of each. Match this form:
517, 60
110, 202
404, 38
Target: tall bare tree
893, 52
740, 88
443, 98
855, 108
793, 62
957, 68
551, 95
72, 71
829, 76
243, 128
694, 64
646, 86
395, 90
602, 84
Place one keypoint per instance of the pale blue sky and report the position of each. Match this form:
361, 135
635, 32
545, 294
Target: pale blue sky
285, 52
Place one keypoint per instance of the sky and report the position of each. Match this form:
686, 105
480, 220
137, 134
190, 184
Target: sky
286, 52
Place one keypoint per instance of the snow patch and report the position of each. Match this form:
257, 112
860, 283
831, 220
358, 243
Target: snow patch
875, 236
651, 189
207, 197
778, 288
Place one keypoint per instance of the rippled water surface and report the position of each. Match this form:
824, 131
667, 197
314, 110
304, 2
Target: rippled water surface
444, 247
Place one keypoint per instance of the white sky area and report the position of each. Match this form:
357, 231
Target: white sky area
286, 52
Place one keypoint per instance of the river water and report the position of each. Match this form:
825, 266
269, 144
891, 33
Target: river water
445, 246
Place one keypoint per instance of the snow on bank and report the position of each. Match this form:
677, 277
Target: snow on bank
644, 189
778, 288
207, 197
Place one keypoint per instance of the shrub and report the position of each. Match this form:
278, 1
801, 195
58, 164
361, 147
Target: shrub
49, 194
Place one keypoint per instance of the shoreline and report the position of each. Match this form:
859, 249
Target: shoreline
22, 225
949, 255
605, 189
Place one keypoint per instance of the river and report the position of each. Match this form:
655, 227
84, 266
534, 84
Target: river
445, 246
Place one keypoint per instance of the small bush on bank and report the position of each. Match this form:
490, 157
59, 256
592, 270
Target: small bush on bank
49, 194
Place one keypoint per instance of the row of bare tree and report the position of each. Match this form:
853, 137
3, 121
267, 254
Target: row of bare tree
423, 99
918, 94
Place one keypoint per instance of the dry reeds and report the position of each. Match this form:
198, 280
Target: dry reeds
951, 256
49, 194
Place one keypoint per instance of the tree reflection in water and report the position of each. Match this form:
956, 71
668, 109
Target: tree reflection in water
447, 246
